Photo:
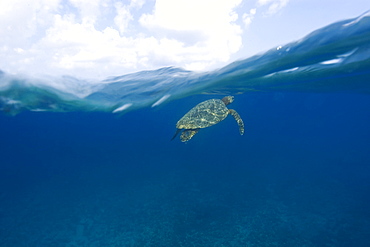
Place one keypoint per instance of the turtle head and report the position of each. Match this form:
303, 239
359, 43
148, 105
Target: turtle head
228, 99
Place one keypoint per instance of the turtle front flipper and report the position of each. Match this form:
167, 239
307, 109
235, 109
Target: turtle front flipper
186, 135
238, 120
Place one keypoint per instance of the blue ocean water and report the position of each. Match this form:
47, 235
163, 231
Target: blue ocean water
91, 163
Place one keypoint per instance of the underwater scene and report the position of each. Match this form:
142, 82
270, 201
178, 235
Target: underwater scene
92, 163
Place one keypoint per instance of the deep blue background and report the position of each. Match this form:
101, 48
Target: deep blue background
300, 176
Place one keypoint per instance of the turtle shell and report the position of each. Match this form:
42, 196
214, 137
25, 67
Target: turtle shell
203, 115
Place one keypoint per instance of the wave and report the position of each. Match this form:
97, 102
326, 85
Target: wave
335, 58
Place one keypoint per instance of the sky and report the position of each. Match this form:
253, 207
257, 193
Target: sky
102, 38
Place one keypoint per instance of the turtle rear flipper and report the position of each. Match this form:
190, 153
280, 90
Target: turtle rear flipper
238, 120
188, 134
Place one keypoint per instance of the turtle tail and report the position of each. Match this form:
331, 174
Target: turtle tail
177, 132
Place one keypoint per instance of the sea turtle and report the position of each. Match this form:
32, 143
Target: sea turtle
206, 114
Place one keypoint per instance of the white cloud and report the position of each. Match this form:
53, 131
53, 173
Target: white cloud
266, 7
68, 37
89, 10
247, 18
136, 3
211, 22
191, 14
273, 5
123, 17
22, 19
79, 45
